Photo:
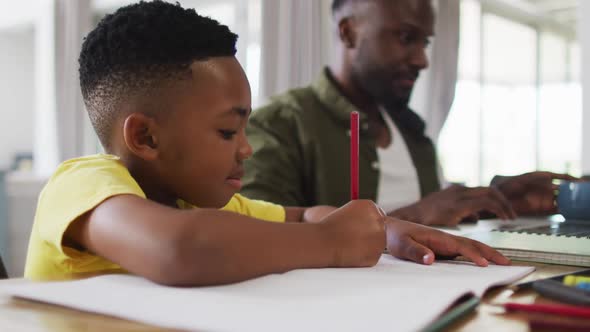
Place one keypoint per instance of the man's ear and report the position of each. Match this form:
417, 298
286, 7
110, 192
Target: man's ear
140, 135
347, 32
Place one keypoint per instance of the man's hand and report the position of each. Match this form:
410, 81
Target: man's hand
420, 244
451, 206
531, 193
356, 232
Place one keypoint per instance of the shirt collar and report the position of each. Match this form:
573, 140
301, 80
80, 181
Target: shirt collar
333, 99
340, 107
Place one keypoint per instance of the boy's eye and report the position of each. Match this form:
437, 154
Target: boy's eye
227, 134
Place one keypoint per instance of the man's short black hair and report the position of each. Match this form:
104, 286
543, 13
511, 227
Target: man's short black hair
138, 47
337, 4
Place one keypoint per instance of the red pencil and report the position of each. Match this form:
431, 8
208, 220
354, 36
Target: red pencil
354, 155
544, 324
556, 309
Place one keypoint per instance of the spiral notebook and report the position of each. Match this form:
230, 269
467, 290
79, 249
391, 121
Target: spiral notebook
555, 242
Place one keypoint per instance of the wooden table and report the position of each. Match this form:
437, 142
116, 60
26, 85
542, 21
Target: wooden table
22, 315
491, 318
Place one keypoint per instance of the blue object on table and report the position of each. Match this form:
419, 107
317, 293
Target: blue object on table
573, 200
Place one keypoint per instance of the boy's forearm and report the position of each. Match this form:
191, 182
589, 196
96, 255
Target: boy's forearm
235, 248
200, 246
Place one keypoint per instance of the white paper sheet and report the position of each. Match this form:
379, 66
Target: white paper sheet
394, 295
487, 225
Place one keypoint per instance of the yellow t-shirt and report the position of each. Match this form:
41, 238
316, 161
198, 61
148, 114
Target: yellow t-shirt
78, 186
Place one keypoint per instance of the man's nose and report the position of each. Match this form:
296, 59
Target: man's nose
419, 58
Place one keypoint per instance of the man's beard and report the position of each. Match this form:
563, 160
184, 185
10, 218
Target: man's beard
377, 83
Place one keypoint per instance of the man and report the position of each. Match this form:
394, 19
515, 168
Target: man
301, 138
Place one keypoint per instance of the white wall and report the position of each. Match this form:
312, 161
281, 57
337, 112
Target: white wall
15, 13
22, 190
17, 92
584, 37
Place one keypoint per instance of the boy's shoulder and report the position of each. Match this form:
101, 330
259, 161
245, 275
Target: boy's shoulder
95, 159
90, 163
92, 172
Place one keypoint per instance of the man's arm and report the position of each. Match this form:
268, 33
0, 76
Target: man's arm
455, 204
207, 246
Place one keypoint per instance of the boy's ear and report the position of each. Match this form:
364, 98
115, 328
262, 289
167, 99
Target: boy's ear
140, 135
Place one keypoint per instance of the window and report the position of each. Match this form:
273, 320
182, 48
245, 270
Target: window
518, 100
17, 86
560, 105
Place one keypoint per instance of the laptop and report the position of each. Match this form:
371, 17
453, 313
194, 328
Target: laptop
553, 240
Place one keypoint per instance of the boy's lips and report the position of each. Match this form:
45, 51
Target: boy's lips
235, 179
236, 183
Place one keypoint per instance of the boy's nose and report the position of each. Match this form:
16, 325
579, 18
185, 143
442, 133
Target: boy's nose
245, 151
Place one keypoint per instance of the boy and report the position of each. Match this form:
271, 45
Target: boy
170, 103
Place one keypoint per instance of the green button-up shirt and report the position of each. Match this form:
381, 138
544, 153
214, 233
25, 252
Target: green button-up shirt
301, 149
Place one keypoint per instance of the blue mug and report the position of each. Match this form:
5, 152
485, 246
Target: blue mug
573, 200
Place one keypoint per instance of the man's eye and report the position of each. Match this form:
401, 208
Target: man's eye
405, 37
410, 37
227, 134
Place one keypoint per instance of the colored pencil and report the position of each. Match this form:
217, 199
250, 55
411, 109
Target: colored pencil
555, 309
354, 155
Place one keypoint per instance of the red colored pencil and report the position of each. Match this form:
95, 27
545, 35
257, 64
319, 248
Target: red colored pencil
556, 309
543, 324
354, 155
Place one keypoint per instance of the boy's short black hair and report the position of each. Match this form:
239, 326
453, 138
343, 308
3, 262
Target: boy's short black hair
137, 48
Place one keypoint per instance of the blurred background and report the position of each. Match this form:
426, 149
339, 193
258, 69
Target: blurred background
503, 94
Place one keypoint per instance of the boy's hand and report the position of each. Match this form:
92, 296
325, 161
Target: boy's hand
356, 231
420, 244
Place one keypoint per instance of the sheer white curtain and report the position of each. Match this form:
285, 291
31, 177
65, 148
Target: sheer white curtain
62, 128
434, 92
584, 31
74, 132
296, 43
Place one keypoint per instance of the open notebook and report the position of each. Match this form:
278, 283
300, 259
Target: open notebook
394, 295
550, 241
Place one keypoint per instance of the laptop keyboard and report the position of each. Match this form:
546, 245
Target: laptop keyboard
579, 230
